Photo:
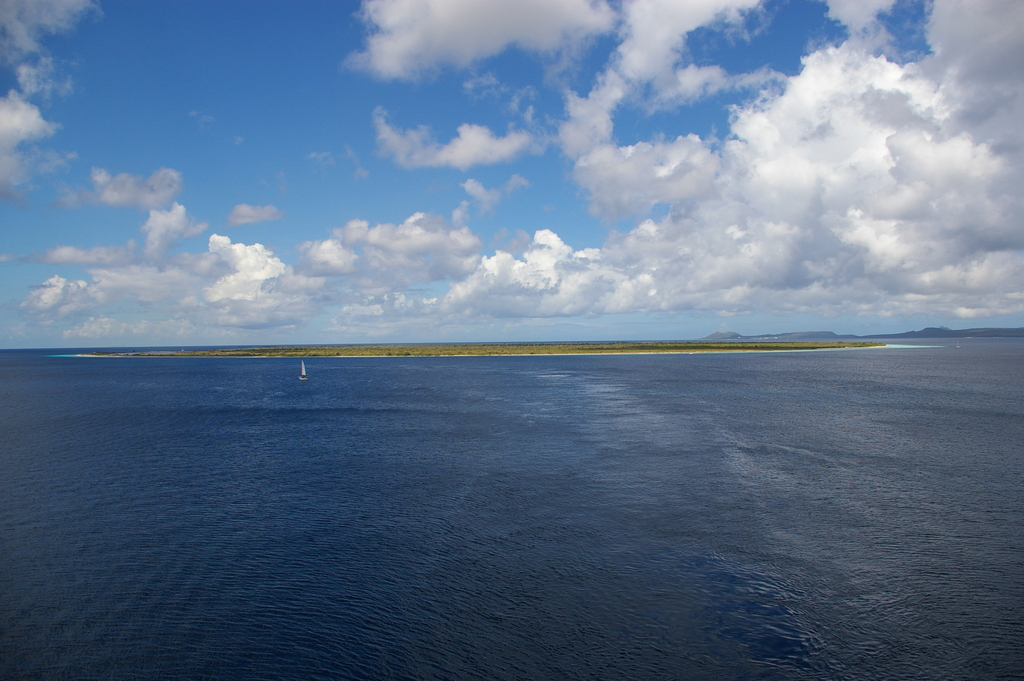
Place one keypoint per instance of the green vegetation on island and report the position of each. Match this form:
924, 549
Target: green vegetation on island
492, 349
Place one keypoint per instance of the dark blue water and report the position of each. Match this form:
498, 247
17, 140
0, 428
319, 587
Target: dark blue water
826, 515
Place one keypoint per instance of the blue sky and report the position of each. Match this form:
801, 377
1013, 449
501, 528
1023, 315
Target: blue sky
182, 173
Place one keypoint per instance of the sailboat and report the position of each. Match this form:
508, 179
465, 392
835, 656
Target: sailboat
302, 373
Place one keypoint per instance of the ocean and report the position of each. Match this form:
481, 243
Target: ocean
853, 514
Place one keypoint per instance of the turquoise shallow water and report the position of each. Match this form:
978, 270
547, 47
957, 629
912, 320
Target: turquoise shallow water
810, 515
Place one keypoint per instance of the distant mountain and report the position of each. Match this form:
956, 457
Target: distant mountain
929, 332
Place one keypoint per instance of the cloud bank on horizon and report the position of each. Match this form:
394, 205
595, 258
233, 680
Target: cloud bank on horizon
879, 179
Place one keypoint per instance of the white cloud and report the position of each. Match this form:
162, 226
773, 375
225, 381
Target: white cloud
979, 60
412, 37
630, 180
486, 199
107, 327
40, 78
655, 33
126, 190
460, 215
24, 22
390, 257
132, 190
589, 121
252, 265
259, 290
243, 214
423, 248
97, 255
858, 186
232, 285
515, 182
20, 122
650, 65
550, 280
329, 257
848, 192
475, 145
164, 227
857, 14
98, 327
57, 297
149, 283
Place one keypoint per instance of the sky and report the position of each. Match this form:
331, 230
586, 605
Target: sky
205, 172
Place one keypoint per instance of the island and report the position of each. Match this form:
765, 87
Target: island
496, 349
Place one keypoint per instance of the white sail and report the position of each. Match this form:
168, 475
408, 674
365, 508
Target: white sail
302, 374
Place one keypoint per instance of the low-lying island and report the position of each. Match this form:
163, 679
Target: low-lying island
493, 349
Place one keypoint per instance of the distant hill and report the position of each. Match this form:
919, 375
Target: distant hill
929, 332
791, 336
943, 332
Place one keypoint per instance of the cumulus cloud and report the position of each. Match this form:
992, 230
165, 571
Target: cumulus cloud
126, 190
846, 193
979, 60
475, 145
162, 229
387, 257
412, 37
654, 33
232, 285
422, 248
20, 122
251, 266
56, 297
651, 66
133, 190
550, 280
630, 180
329, 257
165, 227
243, 214
258, 290
22, 25
858, 186
24, 22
